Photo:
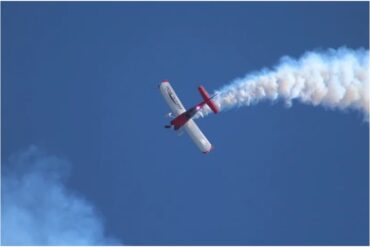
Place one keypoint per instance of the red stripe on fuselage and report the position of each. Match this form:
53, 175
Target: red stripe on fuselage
179, 121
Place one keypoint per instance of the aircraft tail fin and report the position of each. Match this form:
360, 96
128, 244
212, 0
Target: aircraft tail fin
207, 99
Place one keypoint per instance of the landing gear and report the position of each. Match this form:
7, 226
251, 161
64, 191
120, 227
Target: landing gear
167, 126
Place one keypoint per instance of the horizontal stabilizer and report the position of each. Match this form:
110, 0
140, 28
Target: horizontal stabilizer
208, 100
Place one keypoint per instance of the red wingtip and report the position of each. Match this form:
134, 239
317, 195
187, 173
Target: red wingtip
165, 81
206, 152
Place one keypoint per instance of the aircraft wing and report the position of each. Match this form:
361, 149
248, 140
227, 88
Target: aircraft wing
197, 136
190, 127
171, 98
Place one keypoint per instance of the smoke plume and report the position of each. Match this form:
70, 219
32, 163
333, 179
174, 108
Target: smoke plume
335, 79
38, 209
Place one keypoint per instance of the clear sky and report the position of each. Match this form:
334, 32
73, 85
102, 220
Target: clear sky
79, 82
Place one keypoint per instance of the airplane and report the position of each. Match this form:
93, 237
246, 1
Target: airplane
183, 117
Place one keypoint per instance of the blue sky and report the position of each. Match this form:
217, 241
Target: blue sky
79, 82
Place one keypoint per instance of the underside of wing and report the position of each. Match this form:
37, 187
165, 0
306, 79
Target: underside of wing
197, 136
171, 98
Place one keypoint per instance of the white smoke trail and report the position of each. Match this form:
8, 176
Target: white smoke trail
38, 209
336, 79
